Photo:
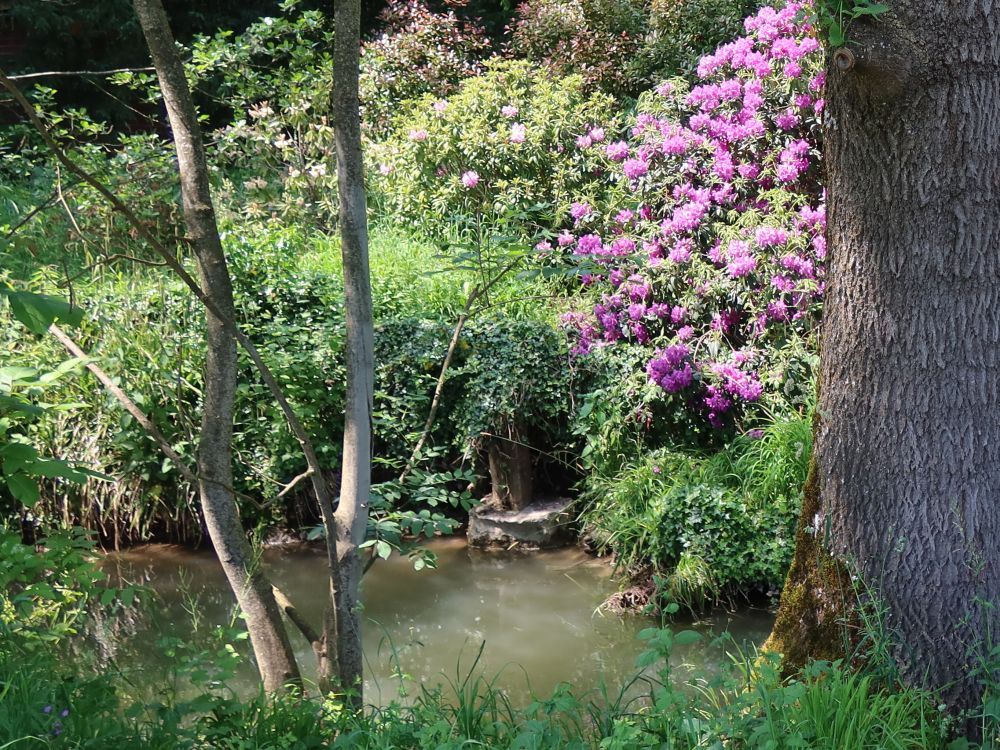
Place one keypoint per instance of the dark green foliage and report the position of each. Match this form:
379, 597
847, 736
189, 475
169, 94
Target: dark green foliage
624, 47
408, 357
514, 382
87, 35
726, 518
417, 51
602, 40
681, 31
146, 330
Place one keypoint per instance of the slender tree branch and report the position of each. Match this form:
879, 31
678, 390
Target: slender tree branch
130, 406
138, 414
228, 324
41, 207
479, 291
65, 205
296, 618
288, 487
439, 387
65, 73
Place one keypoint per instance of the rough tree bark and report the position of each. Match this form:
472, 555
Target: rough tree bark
268, 636
352, 513
908, 440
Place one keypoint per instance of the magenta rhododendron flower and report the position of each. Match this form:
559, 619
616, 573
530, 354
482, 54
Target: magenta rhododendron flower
635, 168
470, 179
579, 211
718, 219
617, 151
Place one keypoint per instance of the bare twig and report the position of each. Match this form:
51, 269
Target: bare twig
44, 206
69, 212
288, 487
131, 258
65, 73
297, 619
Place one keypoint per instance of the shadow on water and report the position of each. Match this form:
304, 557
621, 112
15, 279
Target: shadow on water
536, 613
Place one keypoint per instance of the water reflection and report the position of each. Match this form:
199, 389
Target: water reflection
536, 614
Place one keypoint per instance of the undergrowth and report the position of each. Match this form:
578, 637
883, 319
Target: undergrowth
706, 523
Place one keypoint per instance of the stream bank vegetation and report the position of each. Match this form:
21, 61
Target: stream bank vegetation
50, 700
601, 237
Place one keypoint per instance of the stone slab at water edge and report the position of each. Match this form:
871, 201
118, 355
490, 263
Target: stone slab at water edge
542, 524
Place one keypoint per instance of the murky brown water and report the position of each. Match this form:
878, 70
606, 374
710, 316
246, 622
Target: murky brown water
536, 614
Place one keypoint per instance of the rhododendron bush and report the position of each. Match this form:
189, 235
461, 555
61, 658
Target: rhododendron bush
711, 255
418, 51
506, 142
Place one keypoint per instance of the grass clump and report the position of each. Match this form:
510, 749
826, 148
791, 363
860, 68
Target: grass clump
706, 523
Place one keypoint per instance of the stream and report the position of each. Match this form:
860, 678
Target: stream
536, 617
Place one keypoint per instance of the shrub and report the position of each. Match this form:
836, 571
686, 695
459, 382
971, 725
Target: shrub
622, 47
504, 144
417, 52
600, 40
277, 154
515, 383
681, 31
712, 255
726, 517
289, 295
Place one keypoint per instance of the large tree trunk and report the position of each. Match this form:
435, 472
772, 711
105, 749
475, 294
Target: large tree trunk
908, 440
355, 488
268, 636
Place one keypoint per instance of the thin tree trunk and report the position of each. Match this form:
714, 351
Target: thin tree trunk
908, 440
314, 471
268, 635
355, 488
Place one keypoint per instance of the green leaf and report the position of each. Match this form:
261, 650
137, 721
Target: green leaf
51, 468
23, 488
836, 35
876, 9
687, 637
16, 456
12, 405
38, 311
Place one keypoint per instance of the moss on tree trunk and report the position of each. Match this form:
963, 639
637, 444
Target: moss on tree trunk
817, 616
